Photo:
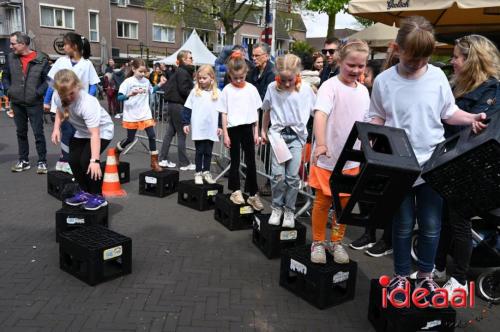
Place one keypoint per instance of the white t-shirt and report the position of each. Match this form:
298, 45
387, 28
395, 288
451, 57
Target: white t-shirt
417, 106
84, 69
344, 105
290, 109
204, 115
240, 104
136, 108
86, 112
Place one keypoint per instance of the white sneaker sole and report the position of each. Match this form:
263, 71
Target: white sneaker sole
366, 246
96, 208
385, 253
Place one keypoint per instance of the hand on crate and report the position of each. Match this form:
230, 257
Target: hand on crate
478, 125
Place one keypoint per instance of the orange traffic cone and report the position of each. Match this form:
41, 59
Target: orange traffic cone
111, 183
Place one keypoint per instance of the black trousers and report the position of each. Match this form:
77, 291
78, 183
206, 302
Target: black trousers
79, 160
203, 155
35, 116
242, 137
150, 131
386, 236
455, 237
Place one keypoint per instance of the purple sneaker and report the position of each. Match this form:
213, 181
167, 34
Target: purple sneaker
95, 202
79, 198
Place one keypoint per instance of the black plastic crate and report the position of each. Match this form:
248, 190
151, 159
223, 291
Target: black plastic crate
123, 171
272, 239
159, 184
70, 218
198, 197
388, 169
56, 182
95, 254
465, 170
232, 216
321, 285
410, 319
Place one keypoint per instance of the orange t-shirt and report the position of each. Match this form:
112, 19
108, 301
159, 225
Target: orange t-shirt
25, 59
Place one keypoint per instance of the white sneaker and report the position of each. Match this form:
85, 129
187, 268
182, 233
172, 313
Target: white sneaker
318, 254
275, 218
207, 177
198, 178
289, 219
452, 285
117, 116
59, 166
237, 197
338, 252
66, 168
436, 274
190, 167
166, 163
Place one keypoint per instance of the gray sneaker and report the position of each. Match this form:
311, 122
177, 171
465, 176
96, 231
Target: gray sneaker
41, 167
336, 249
318, 254
20, 166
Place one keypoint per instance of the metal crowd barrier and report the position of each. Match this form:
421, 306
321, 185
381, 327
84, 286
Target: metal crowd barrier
221, 154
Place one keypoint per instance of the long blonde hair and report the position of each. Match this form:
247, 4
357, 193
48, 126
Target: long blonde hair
209, 70
64, 81
289, 63
481, 63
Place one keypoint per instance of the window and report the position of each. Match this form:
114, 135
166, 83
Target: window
288, 24
245, 41
57, 17
123, 3
94, 26
279, 44
127, 29
204, 36
221, 38
164, 34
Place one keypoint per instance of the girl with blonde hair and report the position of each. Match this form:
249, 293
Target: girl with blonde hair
200, 112
287, 104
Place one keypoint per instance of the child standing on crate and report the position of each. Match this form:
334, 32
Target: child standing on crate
415, 96
288, 104
200, 111
239, 103
341, 101
134, 92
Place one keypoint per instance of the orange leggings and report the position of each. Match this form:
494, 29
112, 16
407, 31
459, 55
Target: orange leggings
322, 204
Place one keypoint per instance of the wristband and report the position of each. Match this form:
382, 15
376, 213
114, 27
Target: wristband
96, 161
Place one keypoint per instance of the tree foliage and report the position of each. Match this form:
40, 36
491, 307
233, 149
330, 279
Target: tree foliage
230, 13
301, 47
329, 7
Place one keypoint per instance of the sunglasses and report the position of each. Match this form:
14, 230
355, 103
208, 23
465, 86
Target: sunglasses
326, 51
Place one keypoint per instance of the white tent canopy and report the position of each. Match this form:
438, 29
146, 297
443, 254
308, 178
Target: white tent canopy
201, 54
377, 35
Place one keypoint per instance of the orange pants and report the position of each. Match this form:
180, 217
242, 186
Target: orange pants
322, 204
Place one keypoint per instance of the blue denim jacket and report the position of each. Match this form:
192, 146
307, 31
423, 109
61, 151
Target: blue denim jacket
485, 98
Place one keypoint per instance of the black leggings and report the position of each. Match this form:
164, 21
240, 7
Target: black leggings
203, 156
150, 131
242, 137
79, 160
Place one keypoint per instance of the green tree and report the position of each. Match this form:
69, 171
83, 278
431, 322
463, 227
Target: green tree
330, 7
230, 13
300, 48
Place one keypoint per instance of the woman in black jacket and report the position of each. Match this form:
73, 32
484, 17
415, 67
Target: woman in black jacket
176, 92
477, 89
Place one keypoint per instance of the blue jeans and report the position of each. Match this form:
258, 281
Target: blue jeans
285, 177
424, 204
67, 133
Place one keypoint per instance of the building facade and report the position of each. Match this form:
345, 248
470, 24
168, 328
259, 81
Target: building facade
124, 29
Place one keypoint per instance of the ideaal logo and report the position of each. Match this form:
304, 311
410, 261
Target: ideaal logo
399, 4
417, 297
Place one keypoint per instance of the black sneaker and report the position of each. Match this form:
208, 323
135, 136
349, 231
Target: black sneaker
379, 249
431, 286
364, 242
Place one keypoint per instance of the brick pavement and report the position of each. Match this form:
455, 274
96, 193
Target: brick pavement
189, 273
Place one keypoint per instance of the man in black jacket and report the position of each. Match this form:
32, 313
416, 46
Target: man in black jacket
330, 51
25, 79
176, 92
